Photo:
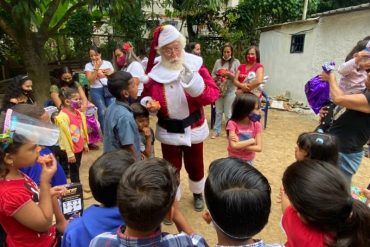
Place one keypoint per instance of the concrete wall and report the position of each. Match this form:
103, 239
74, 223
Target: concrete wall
332, 38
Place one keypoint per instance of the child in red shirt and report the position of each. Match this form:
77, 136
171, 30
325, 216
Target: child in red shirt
26, 211
319, 209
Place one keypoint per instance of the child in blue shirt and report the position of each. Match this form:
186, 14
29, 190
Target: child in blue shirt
145, 196
104, 177
120, 129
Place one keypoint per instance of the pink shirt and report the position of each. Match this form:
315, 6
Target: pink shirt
244, 132
75, 128
352, 80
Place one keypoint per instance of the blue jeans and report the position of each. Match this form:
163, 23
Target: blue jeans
349, 163
101, 102
223, 105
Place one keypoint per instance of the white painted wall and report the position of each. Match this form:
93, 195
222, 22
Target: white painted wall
332, 38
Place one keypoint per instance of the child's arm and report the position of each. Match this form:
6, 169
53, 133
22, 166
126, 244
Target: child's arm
39, 217
61, 222
257, 147
181, 223
148, 142
236, 144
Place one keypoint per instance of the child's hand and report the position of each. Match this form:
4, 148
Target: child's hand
153, 106
147, 132
86, 149
72, 160
49, 167
366, 192
58, 191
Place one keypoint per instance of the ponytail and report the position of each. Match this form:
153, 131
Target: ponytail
356, 230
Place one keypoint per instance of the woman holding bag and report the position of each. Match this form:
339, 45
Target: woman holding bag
96, 72
223, 73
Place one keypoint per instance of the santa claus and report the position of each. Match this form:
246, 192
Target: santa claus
179, 86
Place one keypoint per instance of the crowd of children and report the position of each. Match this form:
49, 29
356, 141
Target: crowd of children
136, 191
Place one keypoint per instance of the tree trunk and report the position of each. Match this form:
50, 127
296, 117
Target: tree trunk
36, 64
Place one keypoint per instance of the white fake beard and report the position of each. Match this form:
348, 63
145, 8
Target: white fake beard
173, 64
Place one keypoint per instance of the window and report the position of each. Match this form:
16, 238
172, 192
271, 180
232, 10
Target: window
297, 43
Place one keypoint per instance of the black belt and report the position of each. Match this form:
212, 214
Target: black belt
178, 125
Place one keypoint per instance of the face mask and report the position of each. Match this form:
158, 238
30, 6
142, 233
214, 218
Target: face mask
75, 104
251, 59
254, 117
27, 92
121, 61
66, 82
226, 59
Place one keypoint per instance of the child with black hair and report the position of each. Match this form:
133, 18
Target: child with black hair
104, 177
317, 146
141, 115
120, 129
244, 130
245, 194
26, 210
73, 131
146, 195
318, 209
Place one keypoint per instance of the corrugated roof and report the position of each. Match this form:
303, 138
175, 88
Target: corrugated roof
267, 28
343, 10
316, 17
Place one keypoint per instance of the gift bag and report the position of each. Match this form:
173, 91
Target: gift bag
317, 93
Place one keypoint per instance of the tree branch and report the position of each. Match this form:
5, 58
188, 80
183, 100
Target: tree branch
7, 7
8, 29
48, 16
69, 12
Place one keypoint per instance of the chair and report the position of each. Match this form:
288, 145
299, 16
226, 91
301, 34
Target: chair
265, 109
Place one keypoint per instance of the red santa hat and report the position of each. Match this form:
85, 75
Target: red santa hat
162, 35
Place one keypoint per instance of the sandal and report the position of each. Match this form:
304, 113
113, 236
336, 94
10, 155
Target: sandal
215, 135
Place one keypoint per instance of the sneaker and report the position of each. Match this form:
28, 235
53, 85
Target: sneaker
198, 202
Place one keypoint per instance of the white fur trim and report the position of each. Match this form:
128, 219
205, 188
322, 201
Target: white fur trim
196, 85
177, 104
167, 35
191, 136
197, 187
178, 193
163, 75
145, 100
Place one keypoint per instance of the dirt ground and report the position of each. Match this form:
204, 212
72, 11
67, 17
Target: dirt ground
278, 152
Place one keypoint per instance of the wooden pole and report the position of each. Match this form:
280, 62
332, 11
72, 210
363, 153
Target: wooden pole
305, 9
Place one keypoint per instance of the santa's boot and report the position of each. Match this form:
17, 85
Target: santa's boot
198, 202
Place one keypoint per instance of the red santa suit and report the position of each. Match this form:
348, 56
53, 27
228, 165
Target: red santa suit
181, 126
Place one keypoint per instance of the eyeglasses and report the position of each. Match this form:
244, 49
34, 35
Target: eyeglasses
169, 51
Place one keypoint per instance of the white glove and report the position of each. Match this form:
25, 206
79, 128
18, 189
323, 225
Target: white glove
186, 75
